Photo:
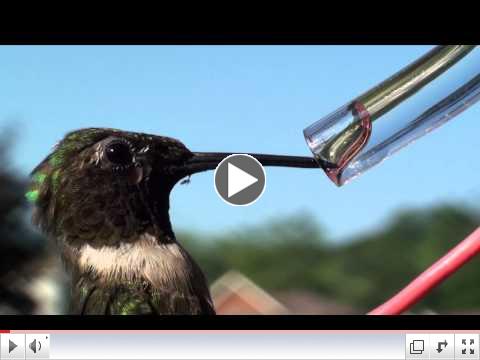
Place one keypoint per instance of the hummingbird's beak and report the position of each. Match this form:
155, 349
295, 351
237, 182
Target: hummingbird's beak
203, 161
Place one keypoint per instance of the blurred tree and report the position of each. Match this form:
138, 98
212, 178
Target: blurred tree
413, 240
23, 252
292, 253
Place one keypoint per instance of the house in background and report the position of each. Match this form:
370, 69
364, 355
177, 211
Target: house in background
305, 302
235, 294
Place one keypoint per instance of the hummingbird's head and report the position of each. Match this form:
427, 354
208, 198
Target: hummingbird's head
108, 184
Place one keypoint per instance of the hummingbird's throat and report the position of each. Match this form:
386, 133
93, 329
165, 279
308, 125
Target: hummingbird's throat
162, 265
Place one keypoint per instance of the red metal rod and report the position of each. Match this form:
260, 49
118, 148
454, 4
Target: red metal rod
434, 275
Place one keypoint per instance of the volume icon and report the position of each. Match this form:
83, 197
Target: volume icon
35, 346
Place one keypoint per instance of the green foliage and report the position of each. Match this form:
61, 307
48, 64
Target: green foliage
293, 253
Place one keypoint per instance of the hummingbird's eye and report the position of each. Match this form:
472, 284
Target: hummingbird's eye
119, 153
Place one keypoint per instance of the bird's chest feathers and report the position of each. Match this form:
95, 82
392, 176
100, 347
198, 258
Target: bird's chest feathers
162, 265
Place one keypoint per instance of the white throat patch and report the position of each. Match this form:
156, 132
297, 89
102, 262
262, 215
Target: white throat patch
161, 264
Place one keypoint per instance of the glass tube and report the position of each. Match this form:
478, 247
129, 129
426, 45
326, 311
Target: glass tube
393, 114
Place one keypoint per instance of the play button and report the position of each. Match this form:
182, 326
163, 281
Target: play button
239, 179
11, 346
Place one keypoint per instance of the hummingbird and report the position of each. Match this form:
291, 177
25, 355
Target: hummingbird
103, 196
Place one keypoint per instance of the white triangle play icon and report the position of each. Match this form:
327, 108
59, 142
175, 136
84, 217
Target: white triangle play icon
238, 180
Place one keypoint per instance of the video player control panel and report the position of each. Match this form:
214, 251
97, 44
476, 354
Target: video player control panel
239, 345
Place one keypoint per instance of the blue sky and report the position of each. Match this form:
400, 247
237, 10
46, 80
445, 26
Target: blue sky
238, 99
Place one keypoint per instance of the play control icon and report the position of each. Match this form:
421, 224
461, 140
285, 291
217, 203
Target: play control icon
239, 179
13, 346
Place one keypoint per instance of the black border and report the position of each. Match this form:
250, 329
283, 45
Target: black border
241, 37
288, 322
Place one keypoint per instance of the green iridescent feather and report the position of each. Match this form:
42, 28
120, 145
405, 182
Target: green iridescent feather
48, 172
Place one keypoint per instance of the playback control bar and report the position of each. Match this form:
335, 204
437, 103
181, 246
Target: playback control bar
239, 345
